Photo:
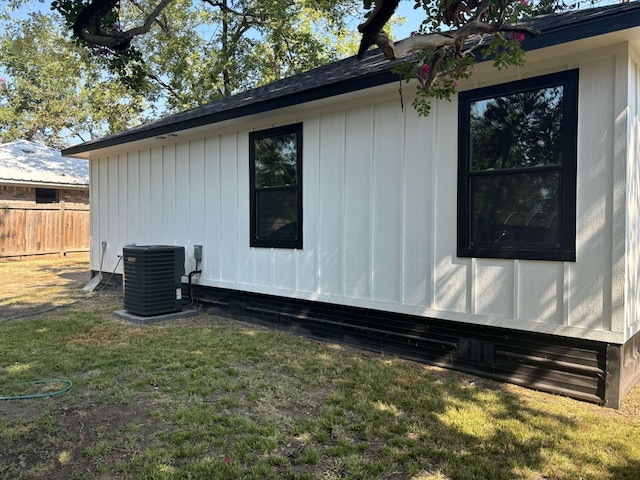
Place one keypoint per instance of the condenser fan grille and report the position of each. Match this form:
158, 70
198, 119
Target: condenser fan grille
153, 279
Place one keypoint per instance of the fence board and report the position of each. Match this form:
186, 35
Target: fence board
47, 229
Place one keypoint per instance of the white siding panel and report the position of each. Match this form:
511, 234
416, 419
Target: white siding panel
144, 199
541, 292
183, 194
307, 265
169, 195
95, 212
123, 204
245, 253
493, 287
614, 295
387, 203
418, 211
113, 217
196, 204
211, 249
156, 213
133, 198
263, 264
331, 207
284, 269
358, 230
229, 208
452, 274
590, 288
632, 291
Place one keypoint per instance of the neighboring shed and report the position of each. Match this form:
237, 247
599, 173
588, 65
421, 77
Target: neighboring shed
44, 201
327, 208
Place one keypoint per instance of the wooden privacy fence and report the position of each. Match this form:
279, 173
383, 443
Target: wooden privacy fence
43, 229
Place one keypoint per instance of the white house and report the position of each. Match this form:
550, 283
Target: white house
499, 244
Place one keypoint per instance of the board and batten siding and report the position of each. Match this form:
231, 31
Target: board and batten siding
632, 254
379, 202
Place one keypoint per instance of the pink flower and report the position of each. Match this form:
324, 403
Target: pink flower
455, 84
425, 70
524, 3
516, 37
227, 459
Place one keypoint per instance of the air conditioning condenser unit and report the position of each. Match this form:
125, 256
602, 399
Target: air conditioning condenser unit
153, 279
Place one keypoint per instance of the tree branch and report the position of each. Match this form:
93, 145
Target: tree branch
161, 22
227, 8
427, 82
88, 25
395, 50
166, 86
372, 27
148, 22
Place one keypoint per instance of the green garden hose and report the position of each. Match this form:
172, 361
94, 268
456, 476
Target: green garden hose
38, 395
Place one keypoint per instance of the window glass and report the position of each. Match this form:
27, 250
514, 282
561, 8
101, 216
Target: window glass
277, 213
46, 195
517, 131
517, 169
276, 161
516, 209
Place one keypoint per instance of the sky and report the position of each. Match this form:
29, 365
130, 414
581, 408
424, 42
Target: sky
413, 19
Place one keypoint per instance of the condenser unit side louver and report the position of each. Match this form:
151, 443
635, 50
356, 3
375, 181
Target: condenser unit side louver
153, 279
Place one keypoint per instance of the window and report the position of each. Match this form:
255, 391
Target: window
517, 169
46, 195
275, 169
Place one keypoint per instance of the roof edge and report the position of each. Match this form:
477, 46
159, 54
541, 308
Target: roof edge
289, 100
28, 183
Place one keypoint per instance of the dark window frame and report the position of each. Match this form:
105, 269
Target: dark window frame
256, 240
47, 195
565, 249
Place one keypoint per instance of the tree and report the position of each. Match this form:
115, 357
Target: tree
192, 53
442, 51
54, 91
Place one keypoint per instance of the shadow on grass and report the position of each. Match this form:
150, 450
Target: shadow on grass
40, 285
442, 422
630, 469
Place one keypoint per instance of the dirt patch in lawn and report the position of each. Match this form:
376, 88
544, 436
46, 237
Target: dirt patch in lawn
85, 436
38, 284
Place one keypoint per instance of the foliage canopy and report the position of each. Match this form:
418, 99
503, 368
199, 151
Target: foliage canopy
54, 90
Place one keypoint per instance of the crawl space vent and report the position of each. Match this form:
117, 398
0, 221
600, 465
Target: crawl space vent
153, 279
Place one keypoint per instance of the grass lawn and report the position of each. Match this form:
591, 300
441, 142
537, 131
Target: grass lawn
210, 398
